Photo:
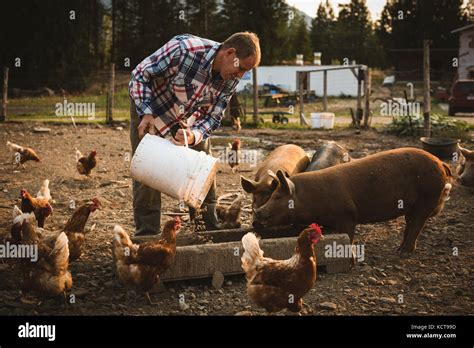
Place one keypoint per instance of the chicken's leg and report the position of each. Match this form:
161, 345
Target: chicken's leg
147, 294
65, 300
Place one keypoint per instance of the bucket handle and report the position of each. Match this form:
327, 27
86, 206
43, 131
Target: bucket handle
185, 139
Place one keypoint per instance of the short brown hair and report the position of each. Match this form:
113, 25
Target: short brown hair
245, 43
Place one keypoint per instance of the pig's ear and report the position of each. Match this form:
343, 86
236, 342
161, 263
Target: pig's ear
286, 184
275, 180
466, 153
248, 185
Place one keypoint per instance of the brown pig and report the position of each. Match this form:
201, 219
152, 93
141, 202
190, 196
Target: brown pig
380, 187
291, 159
466, 168
328, 155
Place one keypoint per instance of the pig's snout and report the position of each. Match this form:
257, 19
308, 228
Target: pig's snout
257, 219
255, 214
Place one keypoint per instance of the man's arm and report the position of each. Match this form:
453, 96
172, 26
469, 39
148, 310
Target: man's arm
203, 128
163, 63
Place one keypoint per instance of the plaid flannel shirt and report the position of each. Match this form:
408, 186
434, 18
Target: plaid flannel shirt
177, 82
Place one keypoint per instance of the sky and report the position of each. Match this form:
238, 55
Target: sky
310, 6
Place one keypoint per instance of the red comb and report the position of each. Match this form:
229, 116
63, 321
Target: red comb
316, 228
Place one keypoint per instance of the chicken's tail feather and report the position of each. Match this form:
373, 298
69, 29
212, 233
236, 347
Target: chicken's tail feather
16, 212
44, 191
252, 251
78, 154
122, 243
29, 217
14, 147
60, 253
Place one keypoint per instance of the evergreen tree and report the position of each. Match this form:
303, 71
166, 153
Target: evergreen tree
322, 32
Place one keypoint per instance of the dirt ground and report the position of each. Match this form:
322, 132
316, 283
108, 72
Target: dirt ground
436, 280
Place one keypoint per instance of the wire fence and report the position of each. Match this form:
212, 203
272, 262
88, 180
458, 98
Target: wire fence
105, 99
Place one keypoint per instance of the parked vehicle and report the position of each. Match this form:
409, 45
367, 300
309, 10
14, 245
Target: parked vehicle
462, 97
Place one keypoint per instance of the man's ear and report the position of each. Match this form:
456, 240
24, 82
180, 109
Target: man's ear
286, 184
248, 185
229, 51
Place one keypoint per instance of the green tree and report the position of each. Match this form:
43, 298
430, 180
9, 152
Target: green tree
266, 18
322, 32
353, 27
56, 43
405, 24
298, 39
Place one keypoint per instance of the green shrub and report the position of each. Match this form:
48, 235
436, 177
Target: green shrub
441, 126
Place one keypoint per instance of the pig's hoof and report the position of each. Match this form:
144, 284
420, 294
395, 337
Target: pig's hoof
405, 254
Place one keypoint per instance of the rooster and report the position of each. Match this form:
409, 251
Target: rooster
230, 216
85, 164
24, 154
74, 228
40, 206
233, 154
279, 284
140, 266
44, 191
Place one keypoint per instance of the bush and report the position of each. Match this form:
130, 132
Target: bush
441, 126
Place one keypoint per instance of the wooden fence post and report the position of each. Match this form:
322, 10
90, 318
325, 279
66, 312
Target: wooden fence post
325, 91
110, 95
255, 96
367, 85
359, 99
426, 88
3, 116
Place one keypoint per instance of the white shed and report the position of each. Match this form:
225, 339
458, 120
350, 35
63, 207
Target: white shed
340, 82
466, 52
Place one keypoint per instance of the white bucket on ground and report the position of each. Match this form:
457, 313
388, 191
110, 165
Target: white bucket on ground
322, 120
177, 171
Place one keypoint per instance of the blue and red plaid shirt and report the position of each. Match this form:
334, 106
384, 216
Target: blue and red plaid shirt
177, 82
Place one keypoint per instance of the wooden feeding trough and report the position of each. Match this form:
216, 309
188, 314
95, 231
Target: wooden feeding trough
202, 254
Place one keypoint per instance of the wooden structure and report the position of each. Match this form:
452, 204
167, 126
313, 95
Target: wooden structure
3, 114
110, 95
408, 63
426, 88
359, 71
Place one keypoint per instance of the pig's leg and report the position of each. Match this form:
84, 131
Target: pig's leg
349, 228
414, 225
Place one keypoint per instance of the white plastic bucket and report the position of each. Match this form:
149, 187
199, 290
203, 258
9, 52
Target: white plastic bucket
177, 171
322, 120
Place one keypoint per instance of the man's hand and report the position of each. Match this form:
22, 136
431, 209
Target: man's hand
179, 138
147, 125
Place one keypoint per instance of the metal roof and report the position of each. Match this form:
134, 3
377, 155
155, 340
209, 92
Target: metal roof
469, 26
